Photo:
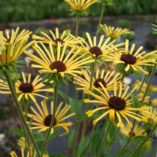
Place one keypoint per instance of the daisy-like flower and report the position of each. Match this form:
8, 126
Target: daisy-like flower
98, 47
113, 32
41, 117
150, 115
116, 104
151, 88
64, 61
27, 87
132, 59
80, 5
107, 78
56, 37
24, 150
134, 132
154, 102
12, 45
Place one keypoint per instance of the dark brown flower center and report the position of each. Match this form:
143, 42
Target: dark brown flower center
58, 40
26, 88
48, 119
117, 103
128, 58
96, 51
131, 133
98, 81
58, 65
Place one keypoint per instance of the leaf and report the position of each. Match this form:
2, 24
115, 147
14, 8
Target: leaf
154, 27
17, 131
57, 155
76, 106
135, 101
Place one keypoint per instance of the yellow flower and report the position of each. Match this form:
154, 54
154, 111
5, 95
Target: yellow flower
151, 88
56, 37
134, 132
154, 102
80, 5
27, 88
150, 115
107, 78
62, 60
25, 151
113, 32
13, 45
41, 117
132, 59
98, 47
116, 104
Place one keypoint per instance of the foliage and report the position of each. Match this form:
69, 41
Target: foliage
25, 10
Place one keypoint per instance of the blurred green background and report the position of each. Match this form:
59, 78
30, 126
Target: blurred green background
32, 10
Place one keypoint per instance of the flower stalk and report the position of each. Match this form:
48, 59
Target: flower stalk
21, 116
100, 18
52, 120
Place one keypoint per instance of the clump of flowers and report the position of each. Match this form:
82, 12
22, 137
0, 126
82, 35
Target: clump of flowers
108, 112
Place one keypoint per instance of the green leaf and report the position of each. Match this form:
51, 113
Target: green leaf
17, 131
76, 106
57, 155
135, 101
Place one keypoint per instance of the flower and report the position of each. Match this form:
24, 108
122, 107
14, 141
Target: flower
134, 132
25, 150
80, 5
107, 78
98, 49
130, 59
26, 88
151, 88
116, 104
63, 61
154, 102
113, 32
13, 45
150, 115
41, 117
56, 37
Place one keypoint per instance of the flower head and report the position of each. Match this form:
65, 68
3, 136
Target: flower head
98, 47
42, 117
26, 87
116, 104
150, 115
131, 59
113, 32
56, 37
24, 150
80, 5
107, 78
62, 62
13, 45
134, 132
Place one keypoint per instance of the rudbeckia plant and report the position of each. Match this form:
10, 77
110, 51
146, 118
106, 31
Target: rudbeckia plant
104, 116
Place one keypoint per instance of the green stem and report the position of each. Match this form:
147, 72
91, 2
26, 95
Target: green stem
125, 145
22, 118
143, 142
52, 121
145, 93
104, 139
115, 136
143, 80
100, 18
149, 82
77, 25
90, 87
92, 75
